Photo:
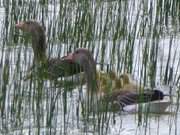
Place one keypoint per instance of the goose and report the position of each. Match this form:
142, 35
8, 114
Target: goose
121, 96
128, 83
48, 68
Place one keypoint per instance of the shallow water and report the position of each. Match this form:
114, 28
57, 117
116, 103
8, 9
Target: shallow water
111, 29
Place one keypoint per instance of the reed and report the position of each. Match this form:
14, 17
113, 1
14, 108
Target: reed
136, 37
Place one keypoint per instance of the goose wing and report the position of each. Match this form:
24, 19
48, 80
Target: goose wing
129, 98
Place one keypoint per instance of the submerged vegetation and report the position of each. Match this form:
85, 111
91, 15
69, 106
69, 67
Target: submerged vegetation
136, 37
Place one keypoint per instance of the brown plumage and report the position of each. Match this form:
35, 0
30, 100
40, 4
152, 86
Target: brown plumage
48, 68
128, 83
123, 96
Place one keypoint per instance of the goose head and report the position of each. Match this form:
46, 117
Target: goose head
38, 38
157, 95
85, 59
30, 27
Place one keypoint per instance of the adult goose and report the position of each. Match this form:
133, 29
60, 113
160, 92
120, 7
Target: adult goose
48, 68
123, 97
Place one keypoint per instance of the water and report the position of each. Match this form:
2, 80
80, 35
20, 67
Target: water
128, 35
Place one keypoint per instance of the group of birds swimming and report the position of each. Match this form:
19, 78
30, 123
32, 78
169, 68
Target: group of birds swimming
112, 88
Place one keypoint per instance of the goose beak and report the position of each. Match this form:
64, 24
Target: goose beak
69, 57
19, 25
